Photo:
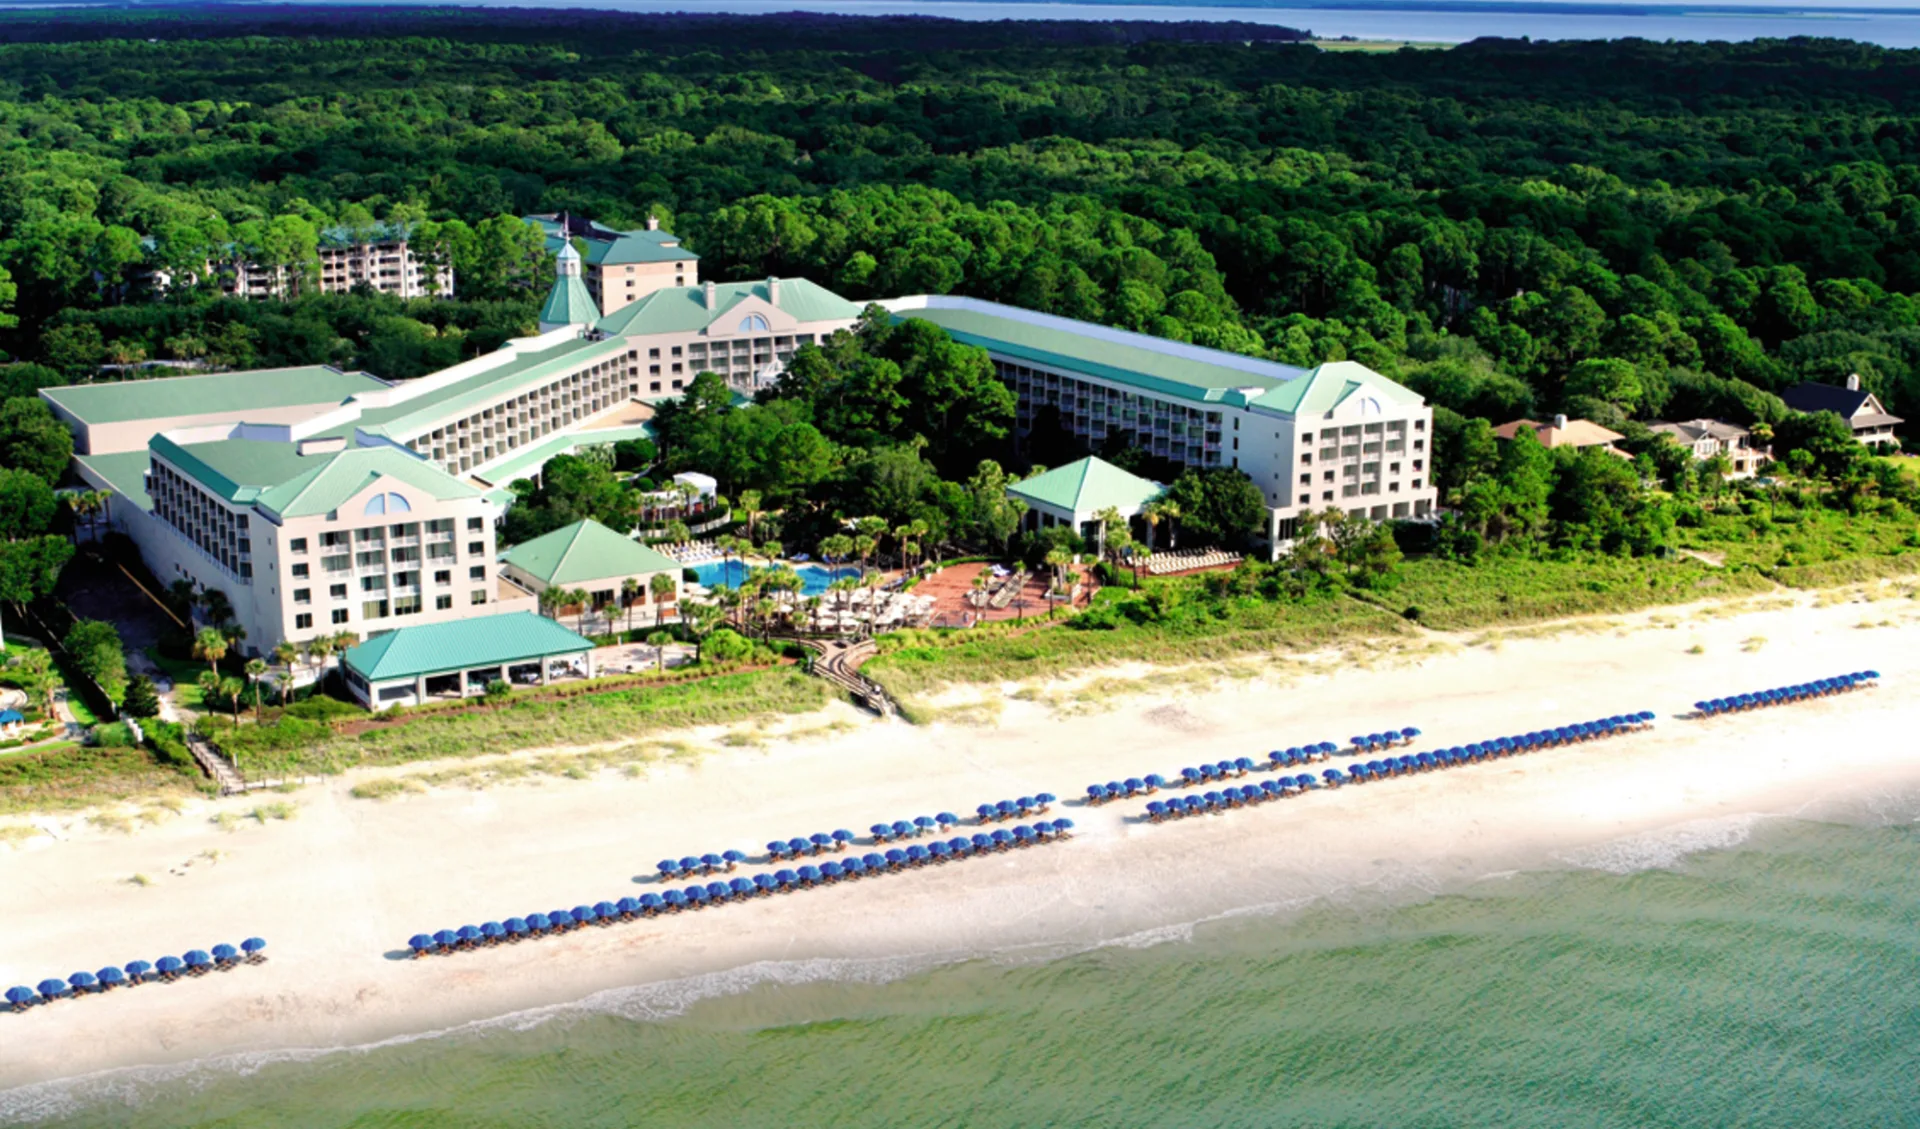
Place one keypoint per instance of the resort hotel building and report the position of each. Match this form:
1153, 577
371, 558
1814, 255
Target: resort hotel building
322, 501
1339, 436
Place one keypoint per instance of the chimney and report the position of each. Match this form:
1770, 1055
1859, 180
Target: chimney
653, 222
1560, 423
1853, 382
773, 290
708, 287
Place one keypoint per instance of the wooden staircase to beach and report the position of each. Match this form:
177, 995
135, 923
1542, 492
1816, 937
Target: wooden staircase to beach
839, 662
217, 767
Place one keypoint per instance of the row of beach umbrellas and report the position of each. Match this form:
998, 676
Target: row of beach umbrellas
1362, 771
194, 962
697, 896
1785, 695
1197, 776
1002, 810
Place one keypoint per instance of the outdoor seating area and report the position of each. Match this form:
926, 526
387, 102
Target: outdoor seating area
1786, 695
691, 552
513, 930
194, 962
1209, 773
1364, 772
1188, 560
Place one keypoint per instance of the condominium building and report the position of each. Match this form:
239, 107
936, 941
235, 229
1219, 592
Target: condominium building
619, 267
383, 257
1336, 436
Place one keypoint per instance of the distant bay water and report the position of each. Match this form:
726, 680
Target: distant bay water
1745, 972
1894, 24
1441, 21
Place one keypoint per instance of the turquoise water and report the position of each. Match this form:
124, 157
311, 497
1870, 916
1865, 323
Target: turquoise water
813, 578
1770, 984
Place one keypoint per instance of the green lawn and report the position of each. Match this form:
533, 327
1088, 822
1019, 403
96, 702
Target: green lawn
185, 675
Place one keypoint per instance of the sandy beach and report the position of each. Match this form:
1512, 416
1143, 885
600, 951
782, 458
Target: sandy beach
338, 888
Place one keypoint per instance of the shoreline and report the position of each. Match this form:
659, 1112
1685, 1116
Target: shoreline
339, 887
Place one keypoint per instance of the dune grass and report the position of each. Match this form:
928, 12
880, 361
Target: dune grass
1513, 590
73, 777
587, 719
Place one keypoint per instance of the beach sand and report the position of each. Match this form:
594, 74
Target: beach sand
337, 889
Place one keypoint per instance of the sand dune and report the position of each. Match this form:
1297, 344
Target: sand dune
338, 889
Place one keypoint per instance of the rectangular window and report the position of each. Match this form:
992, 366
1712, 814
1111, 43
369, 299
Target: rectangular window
443, 577
1306, 480
477, 572
339, 616
303, 621
300, 571
303, 595
373, 609
336, 591
406, 605
479, 596
442, 603
476, 548
373, 584
297, 545
475, 524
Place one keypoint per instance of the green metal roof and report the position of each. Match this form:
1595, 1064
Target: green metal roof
1330, 385
586, 550
405, 420
1087, 486
523, 461
279, 478
124, 472
209, 393
569, 303
609, 247
466, 644
683, 309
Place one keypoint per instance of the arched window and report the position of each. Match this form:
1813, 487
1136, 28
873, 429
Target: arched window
1369, 406
387, 504
754, 323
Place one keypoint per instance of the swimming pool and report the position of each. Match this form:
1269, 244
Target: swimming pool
813, 578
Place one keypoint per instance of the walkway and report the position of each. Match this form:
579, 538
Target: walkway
839, 662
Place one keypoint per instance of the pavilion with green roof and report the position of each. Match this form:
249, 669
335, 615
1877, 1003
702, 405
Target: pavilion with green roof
412, 665
1075, 494
587, 556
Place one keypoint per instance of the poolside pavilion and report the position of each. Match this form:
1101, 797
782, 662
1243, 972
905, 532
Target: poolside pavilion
413, 665
1075, 494
587, 556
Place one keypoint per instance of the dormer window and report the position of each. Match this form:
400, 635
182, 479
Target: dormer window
754, 323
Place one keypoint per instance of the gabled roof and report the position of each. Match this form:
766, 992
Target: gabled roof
683, 309
280, 479
1088, 486
464, 644
1577, 433
408, 418
608, 246
586, 550
1333, 384
569, 303
1694, 429
1810, 397
210, 393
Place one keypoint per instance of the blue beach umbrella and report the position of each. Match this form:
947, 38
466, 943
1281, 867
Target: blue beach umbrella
764, 884
809, 875
902, 829
982, 844
517, 927
830, 871
136, 969
820, 841
720, 891
605, 911
52, 988
491, 931
675, 899
625, 907
947, 819
689, 863
669, 869
798, 847
960, 845
1028, 803
560, 920
841, 838
709, 861
880, 832
733, 858
584, 915
224, 953
445, 938
917, 855
986, 812
937, 850
111, 977
1096, 793
651, 904
540, 923
82, 981
171, 966
1002, 840
896, 859
853, 868
196, 959
21, 997
421, 944
467, 934
740, 888
1062, 826
1006, 809
696, 896
1156, 810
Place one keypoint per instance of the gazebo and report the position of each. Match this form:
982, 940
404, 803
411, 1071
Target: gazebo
1075, 494
592, 558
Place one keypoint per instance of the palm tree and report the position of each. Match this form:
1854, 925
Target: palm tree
219, 609
773, 550
871, 582
256, 669
1170, 513
749, 505
658, 641
629, 589
320, 647
183, 596
550, 600
663, 587
864, 546
233, 689
1057, 560
210, 644
1150, 514
209, 683
285, 654
344, 641
837, 547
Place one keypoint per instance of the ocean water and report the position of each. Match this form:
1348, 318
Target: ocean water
1759, 973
